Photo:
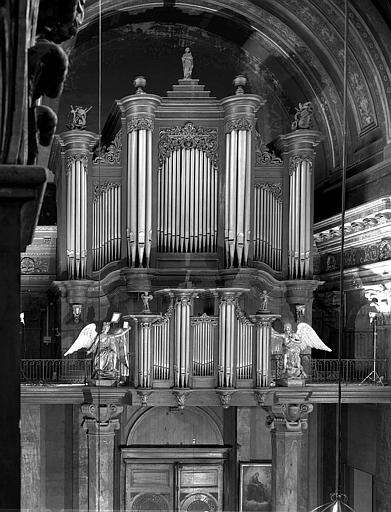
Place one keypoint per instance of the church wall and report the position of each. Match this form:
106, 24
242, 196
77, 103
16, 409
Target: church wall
382, 439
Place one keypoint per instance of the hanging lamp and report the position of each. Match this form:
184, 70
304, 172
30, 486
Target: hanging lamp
338, 500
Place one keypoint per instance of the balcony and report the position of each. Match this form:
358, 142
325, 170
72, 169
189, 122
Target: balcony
319, 371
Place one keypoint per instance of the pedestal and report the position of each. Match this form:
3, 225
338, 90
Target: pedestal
21, 192
287, 423
100, 423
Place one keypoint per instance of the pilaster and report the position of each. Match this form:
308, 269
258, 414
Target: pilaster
287, 423
100, 423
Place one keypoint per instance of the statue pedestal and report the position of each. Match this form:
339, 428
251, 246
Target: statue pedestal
103, 382
291, 381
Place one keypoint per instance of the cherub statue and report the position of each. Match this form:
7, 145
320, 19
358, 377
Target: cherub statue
146, 298
294, 343
187, 63
303, 116
264, 301
109, 349
78, 117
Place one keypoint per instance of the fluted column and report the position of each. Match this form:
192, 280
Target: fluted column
298, 150
287, 422
100, 423
263, 324
239, 112
76, 146
139, 111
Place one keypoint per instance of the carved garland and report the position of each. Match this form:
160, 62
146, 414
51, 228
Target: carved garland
188, 136
140, 123
296, 160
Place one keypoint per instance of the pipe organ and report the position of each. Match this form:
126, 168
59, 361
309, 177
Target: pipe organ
182, 181
106, 224
229, 349
268, 224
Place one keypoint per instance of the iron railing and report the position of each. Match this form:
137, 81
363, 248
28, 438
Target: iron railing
55, 371
320, 371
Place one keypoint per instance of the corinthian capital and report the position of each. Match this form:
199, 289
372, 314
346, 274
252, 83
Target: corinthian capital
101, 418
291, 417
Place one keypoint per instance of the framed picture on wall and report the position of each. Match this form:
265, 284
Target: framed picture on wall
255, 486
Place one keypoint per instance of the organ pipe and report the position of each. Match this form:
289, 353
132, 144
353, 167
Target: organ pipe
299, 249
268, 224
106, 224
76, 215
187, 190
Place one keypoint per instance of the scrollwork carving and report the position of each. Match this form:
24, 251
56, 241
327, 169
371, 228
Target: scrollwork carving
239, 123
188, 136
111, 154
102, 188
140, 123
76, 157
274, 188
263, 155
296, 160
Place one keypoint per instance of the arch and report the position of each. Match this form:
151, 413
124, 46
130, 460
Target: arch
169, 426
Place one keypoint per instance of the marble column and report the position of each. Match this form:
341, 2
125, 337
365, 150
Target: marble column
100, 423
287, 423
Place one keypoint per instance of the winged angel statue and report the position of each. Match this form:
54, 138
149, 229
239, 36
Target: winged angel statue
295, 343
109, 349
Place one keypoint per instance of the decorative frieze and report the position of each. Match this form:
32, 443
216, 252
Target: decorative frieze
188, 136
371, 253
239, 123
140, 123
30, 265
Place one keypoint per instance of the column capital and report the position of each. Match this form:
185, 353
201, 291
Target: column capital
102, 418
299, 142
288, 417
240, 110
77, 141
139, 110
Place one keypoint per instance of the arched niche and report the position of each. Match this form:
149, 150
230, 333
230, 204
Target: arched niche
165, 426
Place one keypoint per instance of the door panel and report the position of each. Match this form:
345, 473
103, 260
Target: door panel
149, 487
199, 487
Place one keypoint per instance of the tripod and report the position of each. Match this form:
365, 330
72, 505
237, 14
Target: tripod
373, 376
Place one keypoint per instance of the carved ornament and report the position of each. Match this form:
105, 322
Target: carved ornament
102, 415
275, 189
288, 417
76, 157
30, 265
225, 396
111, 154
296, 160
140, 123
239, 123
204, 319
263, 155
144, 396
181, 397
188, 136
102, 188
303, 116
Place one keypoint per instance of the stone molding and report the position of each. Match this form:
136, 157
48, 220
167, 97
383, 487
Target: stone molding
288, 417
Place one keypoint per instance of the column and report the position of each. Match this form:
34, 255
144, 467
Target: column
263, 324
298, 150
287, 423
100, 424
139, 112
76, 146
31, 458
21, 192
239, 114
182, 307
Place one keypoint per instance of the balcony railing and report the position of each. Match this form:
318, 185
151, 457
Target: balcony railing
319, 371
55, 371
326, 371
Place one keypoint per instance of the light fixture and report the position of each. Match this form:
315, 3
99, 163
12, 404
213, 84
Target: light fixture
338, 500
76, 312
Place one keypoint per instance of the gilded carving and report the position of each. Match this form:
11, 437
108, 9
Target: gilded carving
188, 136
140, 123
239, 123
111, 154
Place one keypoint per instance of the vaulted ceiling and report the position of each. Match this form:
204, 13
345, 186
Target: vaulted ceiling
291, 51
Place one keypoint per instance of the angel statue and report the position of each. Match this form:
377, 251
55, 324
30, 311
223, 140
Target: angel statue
295, 343
109, 349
